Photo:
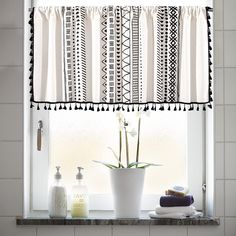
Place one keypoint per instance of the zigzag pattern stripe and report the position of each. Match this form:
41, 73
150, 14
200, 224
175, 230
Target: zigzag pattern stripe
126, 53
104, 54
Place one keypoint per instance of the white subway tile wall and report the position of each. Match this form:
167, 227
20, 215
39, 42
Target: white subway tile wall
11, 120
230, 84
219, 86
219, 160
219, 198
55, 231
141, 230
230, 193
163, 231
89, 230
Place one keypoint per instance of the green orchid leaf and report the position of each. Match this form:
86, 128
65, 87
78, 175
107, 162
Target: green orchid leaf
144, 164
106, 164
116, 157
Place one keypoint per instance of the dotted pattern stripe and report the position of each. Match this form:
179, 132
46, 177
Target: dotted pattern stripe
111, 55
135, 54
119, 82
68, 53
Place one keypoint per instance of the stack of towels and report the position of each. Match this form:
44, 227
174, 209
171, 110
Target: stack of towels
175, 204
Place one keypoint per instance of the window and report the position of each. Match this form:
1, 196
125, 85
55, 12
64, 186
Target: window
76, 138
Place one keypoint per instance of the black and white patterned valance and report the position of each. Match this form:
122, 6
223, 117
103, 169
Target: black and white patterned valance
117, 57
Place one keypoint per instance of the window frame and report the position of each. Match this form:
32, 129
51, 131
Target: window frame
28, 174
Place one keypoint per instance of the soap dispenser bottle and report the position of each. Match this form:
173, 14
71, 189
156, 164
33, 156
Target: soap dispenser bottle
79, 198
57, 197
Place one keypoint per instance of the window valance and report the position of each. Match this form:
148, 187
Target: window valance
114, 57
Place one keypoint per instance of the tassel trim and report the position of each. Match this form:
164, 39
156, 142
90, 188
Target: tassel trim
101, 107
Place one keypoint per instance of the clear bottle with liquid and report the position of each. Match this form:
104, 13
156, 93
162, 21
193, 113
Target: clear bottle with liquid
79, 197
57, 197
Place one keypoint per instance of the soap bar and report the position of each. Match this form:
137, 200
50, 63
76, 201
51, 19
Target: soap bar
177, 191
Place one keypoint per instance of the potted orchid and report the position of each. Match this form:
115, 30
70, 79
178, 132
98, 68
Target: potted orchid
127, 179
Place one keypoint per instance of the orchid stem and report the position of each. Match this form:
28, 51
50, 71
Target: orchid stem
138, 141
120, 148
127, 147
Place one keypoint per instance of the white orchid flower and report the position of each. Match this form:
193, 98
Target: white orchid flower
133, 132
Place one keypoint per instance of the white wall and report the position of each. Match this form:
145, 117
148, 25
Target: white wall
11, 164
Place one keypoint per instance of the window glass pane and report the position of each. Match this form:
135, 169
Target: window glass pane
76, 138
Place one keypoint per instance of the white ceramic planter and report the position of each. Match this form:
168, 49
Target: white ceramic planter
127, 189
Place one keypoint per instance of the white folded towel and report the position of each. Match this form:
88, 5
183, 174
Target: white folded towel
187, 211
153, 214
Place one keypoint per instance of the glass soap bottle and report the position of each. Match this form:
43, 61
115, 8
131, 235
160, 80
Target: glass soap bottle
79, 201
57, 197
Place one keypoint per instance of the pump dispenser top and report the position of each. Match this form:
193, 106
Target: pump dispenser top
79, 176
58, 174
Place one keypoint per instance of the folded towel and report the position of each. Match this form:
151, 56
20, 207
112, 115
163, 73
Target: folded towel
188, 210
153, 214
172, 201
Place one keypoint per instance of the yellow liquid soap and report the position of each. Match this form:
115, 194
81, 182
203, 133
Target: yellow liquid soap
79, 209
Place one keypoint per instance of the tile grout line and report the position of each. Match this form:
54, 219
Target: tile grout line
224, 105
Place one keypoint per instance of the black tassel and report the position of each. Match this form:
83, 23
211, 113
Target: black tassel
103, 109
31, 105
45, 107
60, 107
133, 108
123, 109
70, 108
161, 108
152, 107
210, 106
204, 108
147, 107
128, 108
38, 108
197, 107
169, 108
80, 107
184, 108
65, 108
118, 108
107, 108
90, 107
175, 109
155, 107
55, 107
49, 107
76, 107
85, 107
179, 107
